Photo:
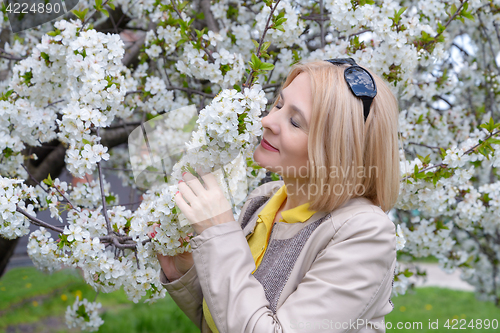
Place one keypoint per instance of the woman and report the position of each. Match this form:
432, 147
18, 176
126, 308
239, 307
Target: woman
315, 251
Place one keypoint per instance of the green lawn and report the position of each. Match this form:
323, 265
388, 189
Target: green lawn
31, 301
35, 299
430, 304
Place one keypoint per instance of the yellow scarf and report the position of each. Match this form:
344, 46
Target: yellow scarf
258, 240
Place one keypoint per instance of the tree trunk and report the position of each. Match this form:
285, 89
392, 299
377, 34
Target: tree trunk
7, 247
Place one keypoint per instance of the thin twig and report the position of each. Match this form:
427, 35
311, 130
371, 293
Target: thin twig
271, 73
193, 36
233, 206
190, 90
442, 164
321, 24
103, 197
421, 144
38, 222
137, 123
59, 101
446, 25
313, 18
88, 18
355, 34
34, 179
267, 27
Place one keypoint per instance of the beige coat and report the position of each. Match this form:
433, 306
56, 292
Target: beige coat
332, 273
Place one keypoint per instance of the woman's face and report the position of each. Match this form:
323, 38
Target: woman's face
283, 148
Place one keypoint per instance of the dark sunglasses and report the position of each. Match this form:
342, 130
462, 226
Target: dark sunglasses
359, 81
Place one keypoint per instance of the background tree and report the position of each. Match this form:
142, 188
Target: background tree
73, 92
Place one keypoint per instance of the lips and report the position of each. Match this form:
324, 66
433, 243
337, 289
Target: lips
266, 145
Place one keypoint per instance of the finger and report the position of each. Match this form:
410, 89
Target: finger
187, 193
153, 233
210, 181
193, 182
183, 206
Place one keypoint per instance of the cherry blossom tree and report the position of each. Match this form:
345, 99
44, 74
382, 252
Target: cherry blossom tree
75, 89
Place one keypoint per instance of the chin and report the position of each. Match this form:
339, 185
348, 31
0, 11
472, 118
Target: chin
258, 158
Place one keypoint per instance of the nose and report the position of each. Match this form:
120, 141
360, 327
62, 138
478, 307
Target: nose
271, 122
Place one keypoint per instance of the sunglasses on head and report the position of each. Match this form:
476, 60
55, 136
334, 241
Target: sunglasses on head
359, 81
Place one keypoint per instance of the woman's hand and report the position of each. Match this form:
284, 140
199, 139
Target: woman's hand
174, 266
203, 207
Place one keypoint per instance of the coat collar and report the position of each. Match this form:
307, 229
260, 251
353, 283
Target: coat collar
259, 198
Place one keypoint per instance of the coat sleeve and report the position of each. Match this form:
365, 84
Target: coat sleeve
349, 281
186, 293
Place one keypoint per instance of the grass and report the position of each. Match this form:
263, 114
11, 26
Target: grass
29, 297
430, 304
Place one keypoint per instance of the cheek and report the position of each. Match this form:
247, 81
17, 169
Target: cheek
298, 152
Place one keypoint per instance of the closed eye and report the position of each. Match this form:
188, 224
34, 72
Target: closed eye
294, 124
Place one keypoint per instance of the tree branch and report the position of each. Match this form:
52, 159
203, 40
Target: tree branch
103, 197
466, 152
446, 25
421, 144
267, 27
38, 222
209, 16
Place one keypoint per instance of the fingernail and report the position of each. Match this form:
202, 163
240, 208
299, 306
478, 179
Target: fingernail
184, 173
176, 192
180, 181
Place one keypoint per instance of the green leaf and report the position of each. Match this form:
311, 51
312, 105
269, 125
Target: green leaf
266, 66
397, 15
80, 14
104, 11
111, 5
183, 5
443, 152
275, 176
265, 46
468, 16
493, 141
453, 10
279, 27
280, 21
440, 225
110, 199
489, 126
255, 62
407, 273
48, 181
86, 142
81, 312
415, 171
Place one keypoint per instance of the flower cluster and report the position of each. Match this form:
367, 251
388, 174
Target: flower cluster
228, 125
163, 39
84, 315
226, 70
12, 223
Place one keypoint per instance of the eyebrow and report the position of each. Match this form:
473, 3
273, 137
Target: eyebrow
295, 108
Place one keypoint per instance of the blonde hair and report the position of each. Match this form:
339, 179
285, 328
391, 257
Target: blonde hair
340, 143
